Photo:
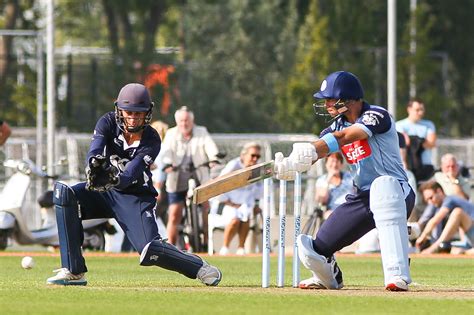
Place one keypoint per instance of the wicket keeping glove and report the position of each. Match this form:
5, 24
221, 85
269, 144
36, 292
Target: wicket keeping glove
101, 176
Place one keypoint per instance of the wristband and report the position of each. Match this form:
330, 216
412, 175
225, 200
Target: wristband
331, 142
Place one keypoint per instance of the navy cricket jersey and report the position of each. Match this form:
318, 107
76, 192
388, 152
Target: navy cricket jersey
375, 156
133, 160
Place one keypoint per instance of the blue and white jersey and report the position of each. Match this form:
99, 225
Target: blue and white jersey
133, 160
422, 129
376, 156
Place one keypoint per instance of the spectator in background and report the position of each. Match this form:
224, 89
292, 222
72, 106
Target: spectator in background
332, 187
420, 137
159, 175
453, 184
5, 132
458, 211
185, 147
403, 152
450, 178
240, 204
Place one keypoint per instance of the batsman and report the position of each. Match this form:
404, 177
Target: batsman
119, 186
366, 136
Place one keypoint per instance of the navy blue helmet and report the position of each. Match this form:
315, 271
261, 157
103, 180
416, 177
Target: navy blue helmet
340, 85
133, 97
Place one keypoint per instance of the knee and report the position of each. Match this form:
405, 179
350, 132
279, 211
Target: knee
457, 212
234, 223
63, 195
386, 196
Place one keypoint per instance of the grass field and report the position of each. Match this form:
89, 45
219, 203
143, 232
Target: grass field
117, 285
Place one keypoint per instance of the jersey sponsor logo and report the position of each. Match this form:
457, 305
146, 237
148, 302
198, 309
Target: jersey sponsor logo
371, 118
356, 151
147, 159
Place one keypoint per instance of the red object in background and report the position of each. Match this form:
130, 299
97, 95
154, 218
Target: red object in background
159, 74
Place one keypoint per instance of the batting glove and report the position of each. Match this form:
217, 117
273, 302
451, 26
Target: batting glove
303, 155
284, 168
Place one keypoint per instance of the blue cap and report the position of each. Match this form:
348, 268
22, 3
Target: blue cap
134, 97
340, 85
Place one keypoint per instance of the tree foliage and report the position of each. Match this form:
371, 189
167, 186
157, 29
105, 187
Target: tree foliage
246, 66
234, 54
311, 65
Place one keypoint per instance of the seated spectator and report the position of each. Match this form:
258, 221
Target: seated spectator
458, 211
332, 187
450, 178
240, 204
453, 184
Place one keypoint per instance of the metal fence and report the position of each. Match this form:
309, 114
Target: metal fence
71, 150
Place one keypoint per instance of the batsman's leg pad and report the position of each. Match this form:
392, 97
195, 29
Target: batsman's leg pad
71, 235
326, 272
387, 203
162, 254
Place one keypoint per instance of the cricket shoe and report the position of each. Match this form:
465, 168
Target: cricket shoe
224, 251
324, 269
209, 275
65, 277
396, 284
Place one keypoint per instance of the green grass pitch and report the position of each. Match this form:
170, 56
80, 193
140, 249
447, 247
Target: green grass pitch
118, 285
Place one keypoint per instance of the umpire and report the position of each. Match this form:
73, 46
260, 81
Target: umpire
119, 186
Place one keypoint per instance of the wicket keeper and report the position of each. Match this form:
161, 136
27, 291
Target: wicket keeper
119, 186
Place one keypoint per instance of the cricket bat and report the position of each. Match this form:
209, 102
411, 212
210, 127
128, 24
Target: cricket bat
232, 180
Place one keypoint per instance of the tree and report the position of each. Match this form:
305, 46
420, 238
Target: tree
295, 113
234, 54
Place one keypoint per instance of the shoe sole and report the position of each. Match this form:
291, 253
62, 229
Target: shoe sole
313, 286
393, 287
66, 282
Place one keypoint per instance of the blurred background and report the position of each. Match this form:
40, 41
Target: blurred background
247, 69
225, 58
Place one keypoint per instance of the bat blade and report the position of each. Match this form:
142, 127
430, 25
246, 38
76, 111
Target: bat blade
232, 180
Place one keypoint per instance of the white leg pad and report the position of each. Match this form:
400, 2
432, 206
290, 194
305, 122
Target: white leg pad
387, 203
317, 264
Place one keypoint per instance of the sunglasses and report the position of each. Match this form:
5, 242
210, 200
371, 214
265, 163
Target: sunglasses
255, 156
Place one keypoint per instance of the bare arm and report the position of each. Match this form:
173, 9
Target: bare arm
457, 189
432, 223
430, 141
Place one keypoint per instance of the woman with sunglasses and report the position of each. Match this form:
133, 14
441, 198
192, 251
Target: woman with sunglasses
240, 204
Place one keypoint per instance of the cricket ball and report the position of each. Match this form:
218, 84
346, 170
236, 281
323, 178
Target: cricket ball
27, 262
